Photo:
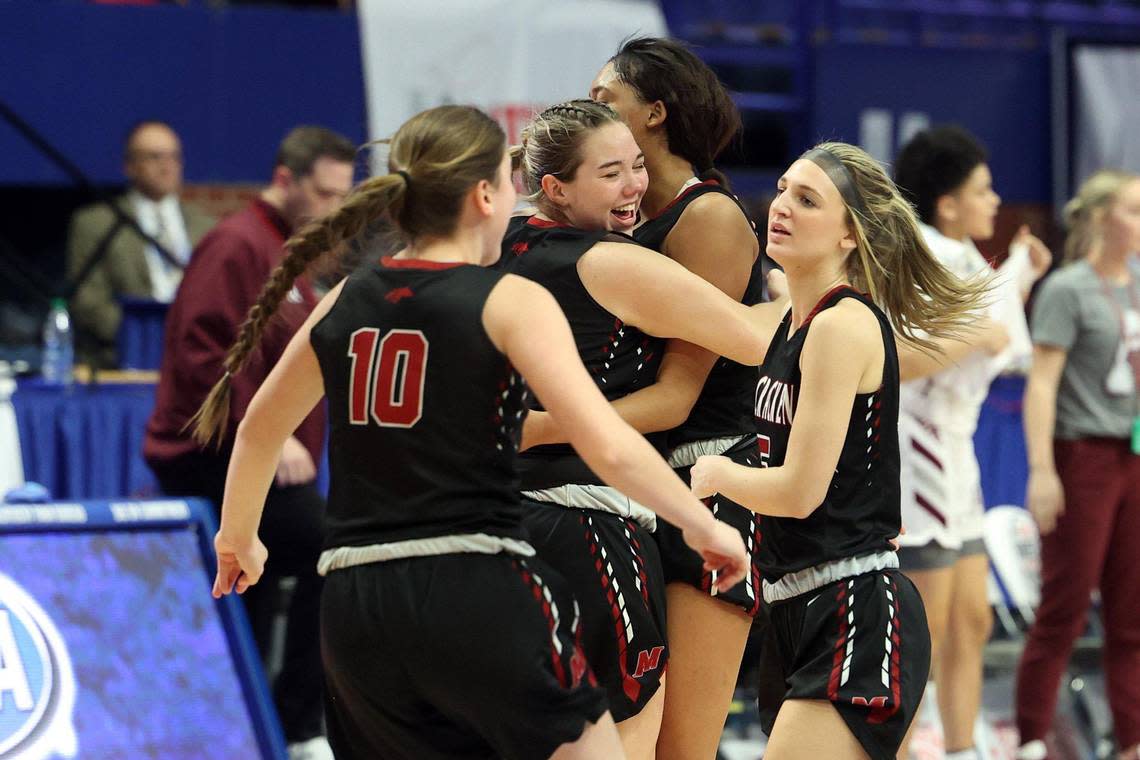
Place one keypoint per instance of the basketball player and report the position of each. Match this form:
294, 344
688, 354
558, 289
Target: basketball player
587, 176
443, 636
683, 118
848, 650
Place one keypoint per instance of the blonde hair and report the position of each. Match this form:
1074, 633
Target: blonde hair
891, 260
552, 143
1084, 213
434, 159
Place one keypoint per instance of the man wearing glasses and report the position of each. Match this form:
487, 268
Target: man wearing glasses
113, 259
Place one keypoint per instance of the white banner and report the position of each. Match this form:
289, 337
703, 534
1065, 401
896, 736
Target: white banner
507, 57
1106, 109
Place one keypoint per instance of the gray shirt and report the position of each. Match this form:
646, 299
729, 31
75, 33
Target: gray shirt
1073, 312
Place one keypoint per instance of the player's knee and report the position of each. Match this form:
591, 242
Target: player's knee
938, 623
974, 623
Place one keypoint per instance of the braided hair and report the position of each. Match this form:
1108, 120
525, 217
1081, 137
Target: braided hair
552, 142
434, 159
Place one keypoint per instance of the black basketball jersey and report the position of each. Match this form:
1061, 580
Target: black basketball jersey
425, 412
724, 407
861, 512
620, 358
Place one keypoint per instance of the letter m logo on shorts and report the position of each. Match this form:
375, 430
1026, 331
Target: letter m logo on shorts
647, 660
875, 702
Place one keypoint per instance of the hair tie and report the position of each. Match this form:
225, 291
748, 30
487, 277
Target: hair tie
840, 176
406, 176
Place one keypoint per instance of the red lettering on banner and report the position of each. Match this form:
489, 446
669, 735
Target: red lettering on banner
512, 117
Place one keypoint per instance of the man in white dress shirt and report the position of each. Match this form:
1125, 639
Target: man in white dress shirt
127, 264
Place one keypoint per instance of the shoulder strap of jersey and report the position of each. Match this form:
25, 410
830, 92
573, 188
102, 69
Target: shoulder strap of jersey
676, 206
837, 294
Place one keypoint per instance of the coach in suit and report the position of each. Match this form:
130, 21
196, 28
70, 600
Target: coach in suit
131, 266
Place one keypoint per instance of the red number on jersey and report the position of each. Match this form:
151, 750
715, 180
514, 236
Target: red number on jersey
362, 349
764, 447
393, 387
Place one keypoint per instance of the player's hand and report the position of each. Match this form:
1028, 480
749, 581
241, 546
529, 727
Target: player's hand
1045, 499
704, 476
296, 465
894, 542
1040, 257
239, 565
722, 550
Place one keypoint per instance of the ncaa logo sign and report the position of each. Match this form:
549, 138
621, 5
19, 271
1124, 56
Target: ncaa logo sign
37, 685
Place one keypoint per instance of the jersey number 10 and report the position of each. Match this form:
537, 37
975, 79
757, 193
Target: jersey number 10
387, 382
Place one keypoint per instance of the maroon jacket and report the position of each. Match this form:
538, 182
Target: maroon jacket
225, 276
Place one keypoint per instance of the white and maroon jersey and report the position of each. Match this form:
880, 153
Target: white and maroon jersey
425, 412
941, 485
860, 513
952, 399
620, 358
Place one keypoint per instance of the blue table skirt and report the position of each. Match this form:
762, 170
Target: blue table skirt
85, 441
140, 333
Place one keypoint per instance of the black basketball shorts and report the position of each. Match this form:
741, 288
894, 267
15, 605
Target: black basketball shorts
680, 564
453, 656
614, 570
861, 643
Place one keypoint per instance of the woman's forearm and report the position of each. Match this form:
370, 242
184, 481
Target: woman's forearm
1039, 417
250, 474
768, 491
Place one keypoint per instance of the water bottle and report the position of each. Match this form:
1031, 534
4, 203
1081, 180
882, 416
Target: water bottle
59, 351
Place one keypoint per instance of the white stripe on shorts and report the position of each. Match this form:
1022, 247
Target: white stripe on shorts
597, 498
467, 543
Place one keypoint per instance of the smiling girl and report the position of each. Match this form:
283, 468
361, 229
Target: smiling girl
683, 118
587, 176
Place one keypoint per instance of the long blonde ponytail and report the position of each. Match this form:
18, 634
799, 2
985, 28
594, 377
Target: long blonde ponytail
891, 260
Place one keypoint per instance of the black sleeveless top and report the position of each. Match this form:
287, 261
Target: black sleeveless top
621, 359
724, 407
861, 512
425, 412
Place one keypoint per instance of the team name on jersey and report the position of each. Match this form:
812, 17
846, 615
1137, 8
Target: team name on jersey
775, 401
